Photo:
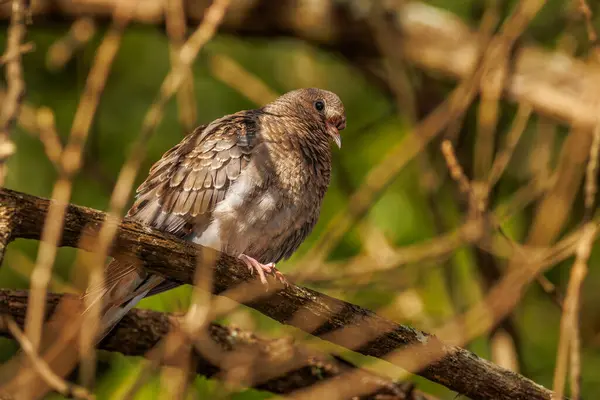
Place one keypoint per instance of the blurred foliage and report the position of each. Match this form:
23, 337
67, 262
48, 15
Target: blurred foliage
424, 295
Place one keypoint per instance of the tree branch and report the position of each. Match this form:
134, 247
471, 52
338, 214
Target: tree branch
276, 365
342, 323
554, 84
6, 225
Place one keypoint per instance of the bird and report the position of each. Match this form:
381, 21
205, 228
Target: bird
249, 184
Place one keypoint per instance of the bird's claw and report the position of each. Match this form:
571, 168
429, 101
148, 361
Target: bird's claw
272, 270
263, 269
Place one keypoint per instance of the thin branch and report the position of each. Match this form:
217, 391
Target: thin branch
455, 368
512, 138
591, 174
61, 51
49, 135
569, 323
23, 49
296, 367
176, 26
233, 74
15, 82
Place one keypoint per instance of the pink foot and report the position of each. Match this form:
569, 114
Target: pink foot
262, 269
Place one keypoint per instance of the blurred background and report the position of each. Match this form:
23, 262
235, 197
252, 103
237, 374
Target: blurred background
409, 255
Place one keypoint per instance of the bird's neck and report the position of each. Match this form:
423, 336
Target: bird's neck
302, 155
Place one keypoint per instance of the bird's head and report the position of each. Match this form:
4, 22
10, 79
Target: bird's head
317, 106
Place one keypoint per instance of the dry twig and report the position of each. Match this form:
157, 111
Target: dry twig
569, 324
176, 26
233, 74
61, 51
14, 79
48, 135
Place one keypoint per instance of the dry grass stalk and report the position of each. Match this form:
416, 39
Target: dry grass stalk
48, 135
590, 186
569, 325
504, 352
194, 324
175, 20
454, 167
237, 77
61, 51
502, 158
23, 49
15, 82
492, 83
586, 12
575, 359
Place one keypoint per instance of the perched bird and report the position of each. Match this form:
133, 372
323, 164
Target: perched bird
249, 184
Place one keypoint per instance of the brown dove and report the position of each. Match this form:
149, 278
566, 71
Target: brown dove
249, 184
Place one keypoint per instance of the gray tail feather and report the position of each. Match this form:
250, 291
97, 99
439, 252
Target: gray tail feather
114, 314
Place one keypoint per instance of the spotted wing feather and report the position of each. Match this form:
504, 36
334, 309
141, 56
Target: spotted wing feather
188, 182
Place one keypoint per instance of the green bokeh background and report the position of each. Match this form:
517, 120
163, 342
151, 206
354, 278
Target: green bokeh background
403, 213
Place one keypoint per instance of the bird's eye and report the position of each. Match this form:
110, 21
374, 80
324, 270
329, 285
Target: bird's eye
319, 105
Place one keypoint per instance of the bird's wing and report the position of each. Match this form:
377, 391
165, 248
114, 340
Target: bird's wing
194, 176
181, 190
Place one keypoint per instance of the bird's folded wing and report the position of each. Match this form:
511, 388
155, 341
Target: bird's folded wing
192, 178
181, 191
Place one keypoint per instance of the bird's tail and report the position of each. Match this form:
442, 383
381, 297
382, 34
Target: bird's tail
124, 286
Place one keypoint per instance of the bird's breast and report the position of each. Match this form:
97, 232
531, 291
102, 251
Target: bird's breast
260, 210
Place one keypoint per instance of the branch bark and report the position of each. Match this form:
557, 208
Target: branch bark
554, 84
331, 319
276, 365
6, 225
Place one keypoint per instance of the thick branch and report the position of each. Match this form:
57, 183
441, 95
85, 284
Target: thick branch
306, 309
554, 84
278, 366
5, 229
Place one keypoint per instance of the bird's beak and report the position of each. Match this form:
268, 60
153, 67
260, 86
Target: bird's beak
337, 138
335, 127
